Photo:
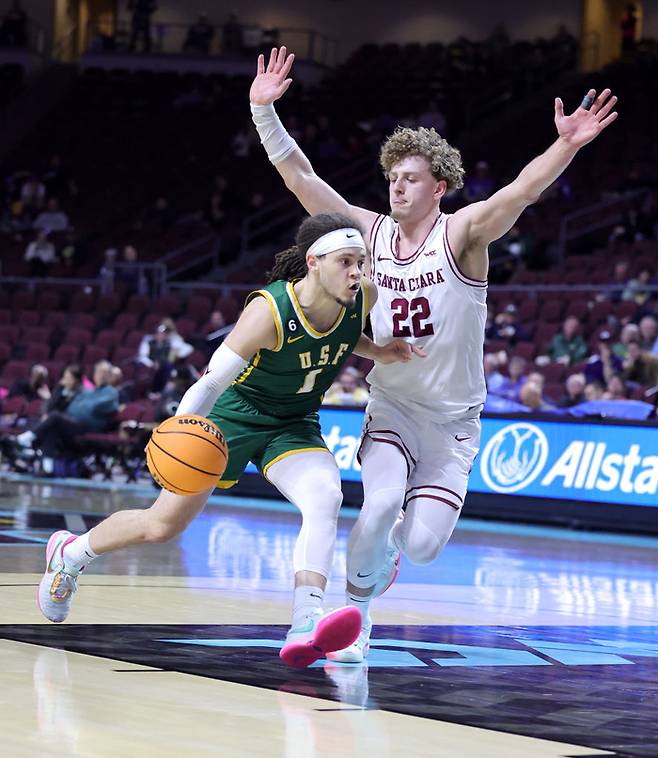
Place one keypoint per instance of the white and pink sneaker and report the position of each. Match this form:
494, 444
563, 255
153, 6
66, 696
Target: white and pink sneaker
323, 633
58, 584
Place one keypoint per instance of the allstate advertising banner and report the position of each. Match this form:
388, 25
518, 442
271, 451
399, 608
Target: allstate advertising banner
606, 463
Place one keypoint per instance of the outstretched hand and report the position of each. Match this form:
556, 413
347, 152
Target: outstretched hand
398, 351
583, 125
271, 83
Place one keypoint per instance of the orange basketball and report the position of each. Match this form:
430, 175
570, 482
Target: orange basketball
186, 454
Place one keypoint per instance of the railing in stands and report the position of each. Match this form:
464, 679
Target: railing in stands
287, 210
597, 216
244, 41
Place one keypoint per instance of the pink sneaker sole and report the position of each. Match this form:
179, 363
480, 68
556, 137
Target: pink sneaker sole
335, 631
49, 554
392, 579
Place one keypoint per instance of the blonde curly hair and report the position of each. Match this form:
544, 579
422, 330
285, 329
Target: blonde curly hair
445, 161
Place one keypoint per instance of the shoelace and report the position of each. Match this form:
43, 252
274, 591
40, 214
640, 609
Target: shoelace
66, 585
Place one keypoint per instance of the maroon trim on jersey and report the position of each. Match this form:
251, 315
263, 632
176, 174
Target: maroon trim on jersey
433, 497
454, 266
395, 241
399, 445
435, 487
373, 239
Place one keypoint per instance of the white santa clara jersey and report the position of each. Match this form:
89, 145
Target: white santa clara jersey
426, 300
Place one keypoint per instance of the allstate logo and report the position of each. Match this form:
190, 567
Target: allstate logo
514, 457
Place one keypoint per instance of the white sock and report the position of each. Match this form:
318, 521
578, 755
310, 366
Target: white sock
47, 465
362, 603
77, 554
305, 600
25, 439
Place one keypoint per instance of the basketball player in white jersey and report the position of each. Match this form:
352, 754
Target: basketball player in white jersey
422, 425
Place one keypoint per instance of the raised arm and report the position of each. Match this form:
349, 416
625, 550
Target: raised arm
313, 193
472, 228
255, 330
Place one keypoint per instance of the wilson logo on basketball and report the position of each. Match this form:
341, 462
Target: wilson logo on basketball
207, 428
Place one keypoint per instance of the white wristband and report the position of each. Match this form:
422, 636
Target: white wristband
275, 139
200, 398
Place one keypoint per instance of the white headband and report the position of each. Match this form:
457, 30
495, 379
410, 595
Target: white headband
337, 240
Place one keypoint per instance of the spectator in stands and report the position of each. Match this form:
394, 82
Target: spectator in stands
517, 378
530, 395
232, 36
40, 255
199, 36
478, 186
640, 367
89, 410
630, 332
142, 10
615, 389
128, 272
594, 391
71, 252
432, 118
620, 276
52, 219
506, 327
628, 26
494, 379
13, 32
57, 179
636, 289
69, 385
215, 213
35, 387
348, 389
568, 346
182, 378
648, 333
161, 351
33, 193
605, 363
575, 391
516, 246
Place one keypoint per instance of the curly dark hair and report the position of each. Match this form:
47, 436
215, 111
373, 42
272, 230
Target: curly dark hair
291, 263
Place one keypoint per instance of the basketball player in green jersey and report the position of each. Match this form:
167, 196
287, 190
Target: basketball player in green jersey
263, 387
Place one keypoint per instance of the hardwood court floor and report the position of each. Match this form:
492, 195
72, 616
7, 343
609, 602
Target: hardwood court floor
519, 641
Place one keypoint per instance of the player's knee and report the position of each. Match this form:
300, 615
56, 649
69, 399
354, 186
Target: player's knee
158, 531
381, 508
423, 547
330, 499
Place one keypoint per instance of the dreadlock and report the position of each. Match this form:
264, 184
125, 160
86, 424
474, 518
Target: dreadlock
291, 263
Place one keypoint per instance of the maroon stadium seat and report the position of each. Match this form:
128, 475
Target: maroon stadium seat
82, 302
198, 307
38, 335
78, 337
553, 372
9, 333
48, 300
94, 353
14, 370
551, 311
22, 300
37, 353
67, 353
28, 318
125, 321
108, 338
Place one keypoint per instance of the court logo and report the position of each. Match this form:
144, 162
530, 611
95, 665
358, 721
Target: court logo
514, 457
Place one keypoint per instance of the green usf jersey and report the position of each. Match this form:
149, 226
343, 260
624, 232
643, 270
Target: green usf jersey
290, 380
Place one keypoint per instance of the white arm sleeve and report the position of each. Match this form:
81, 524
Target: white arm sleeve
275, 139
224, 366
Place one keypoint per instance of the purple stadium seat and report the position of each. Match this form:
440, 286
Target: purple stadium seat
82, 302
14, 370
48, 300
124, 322
28, 318
36, 335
